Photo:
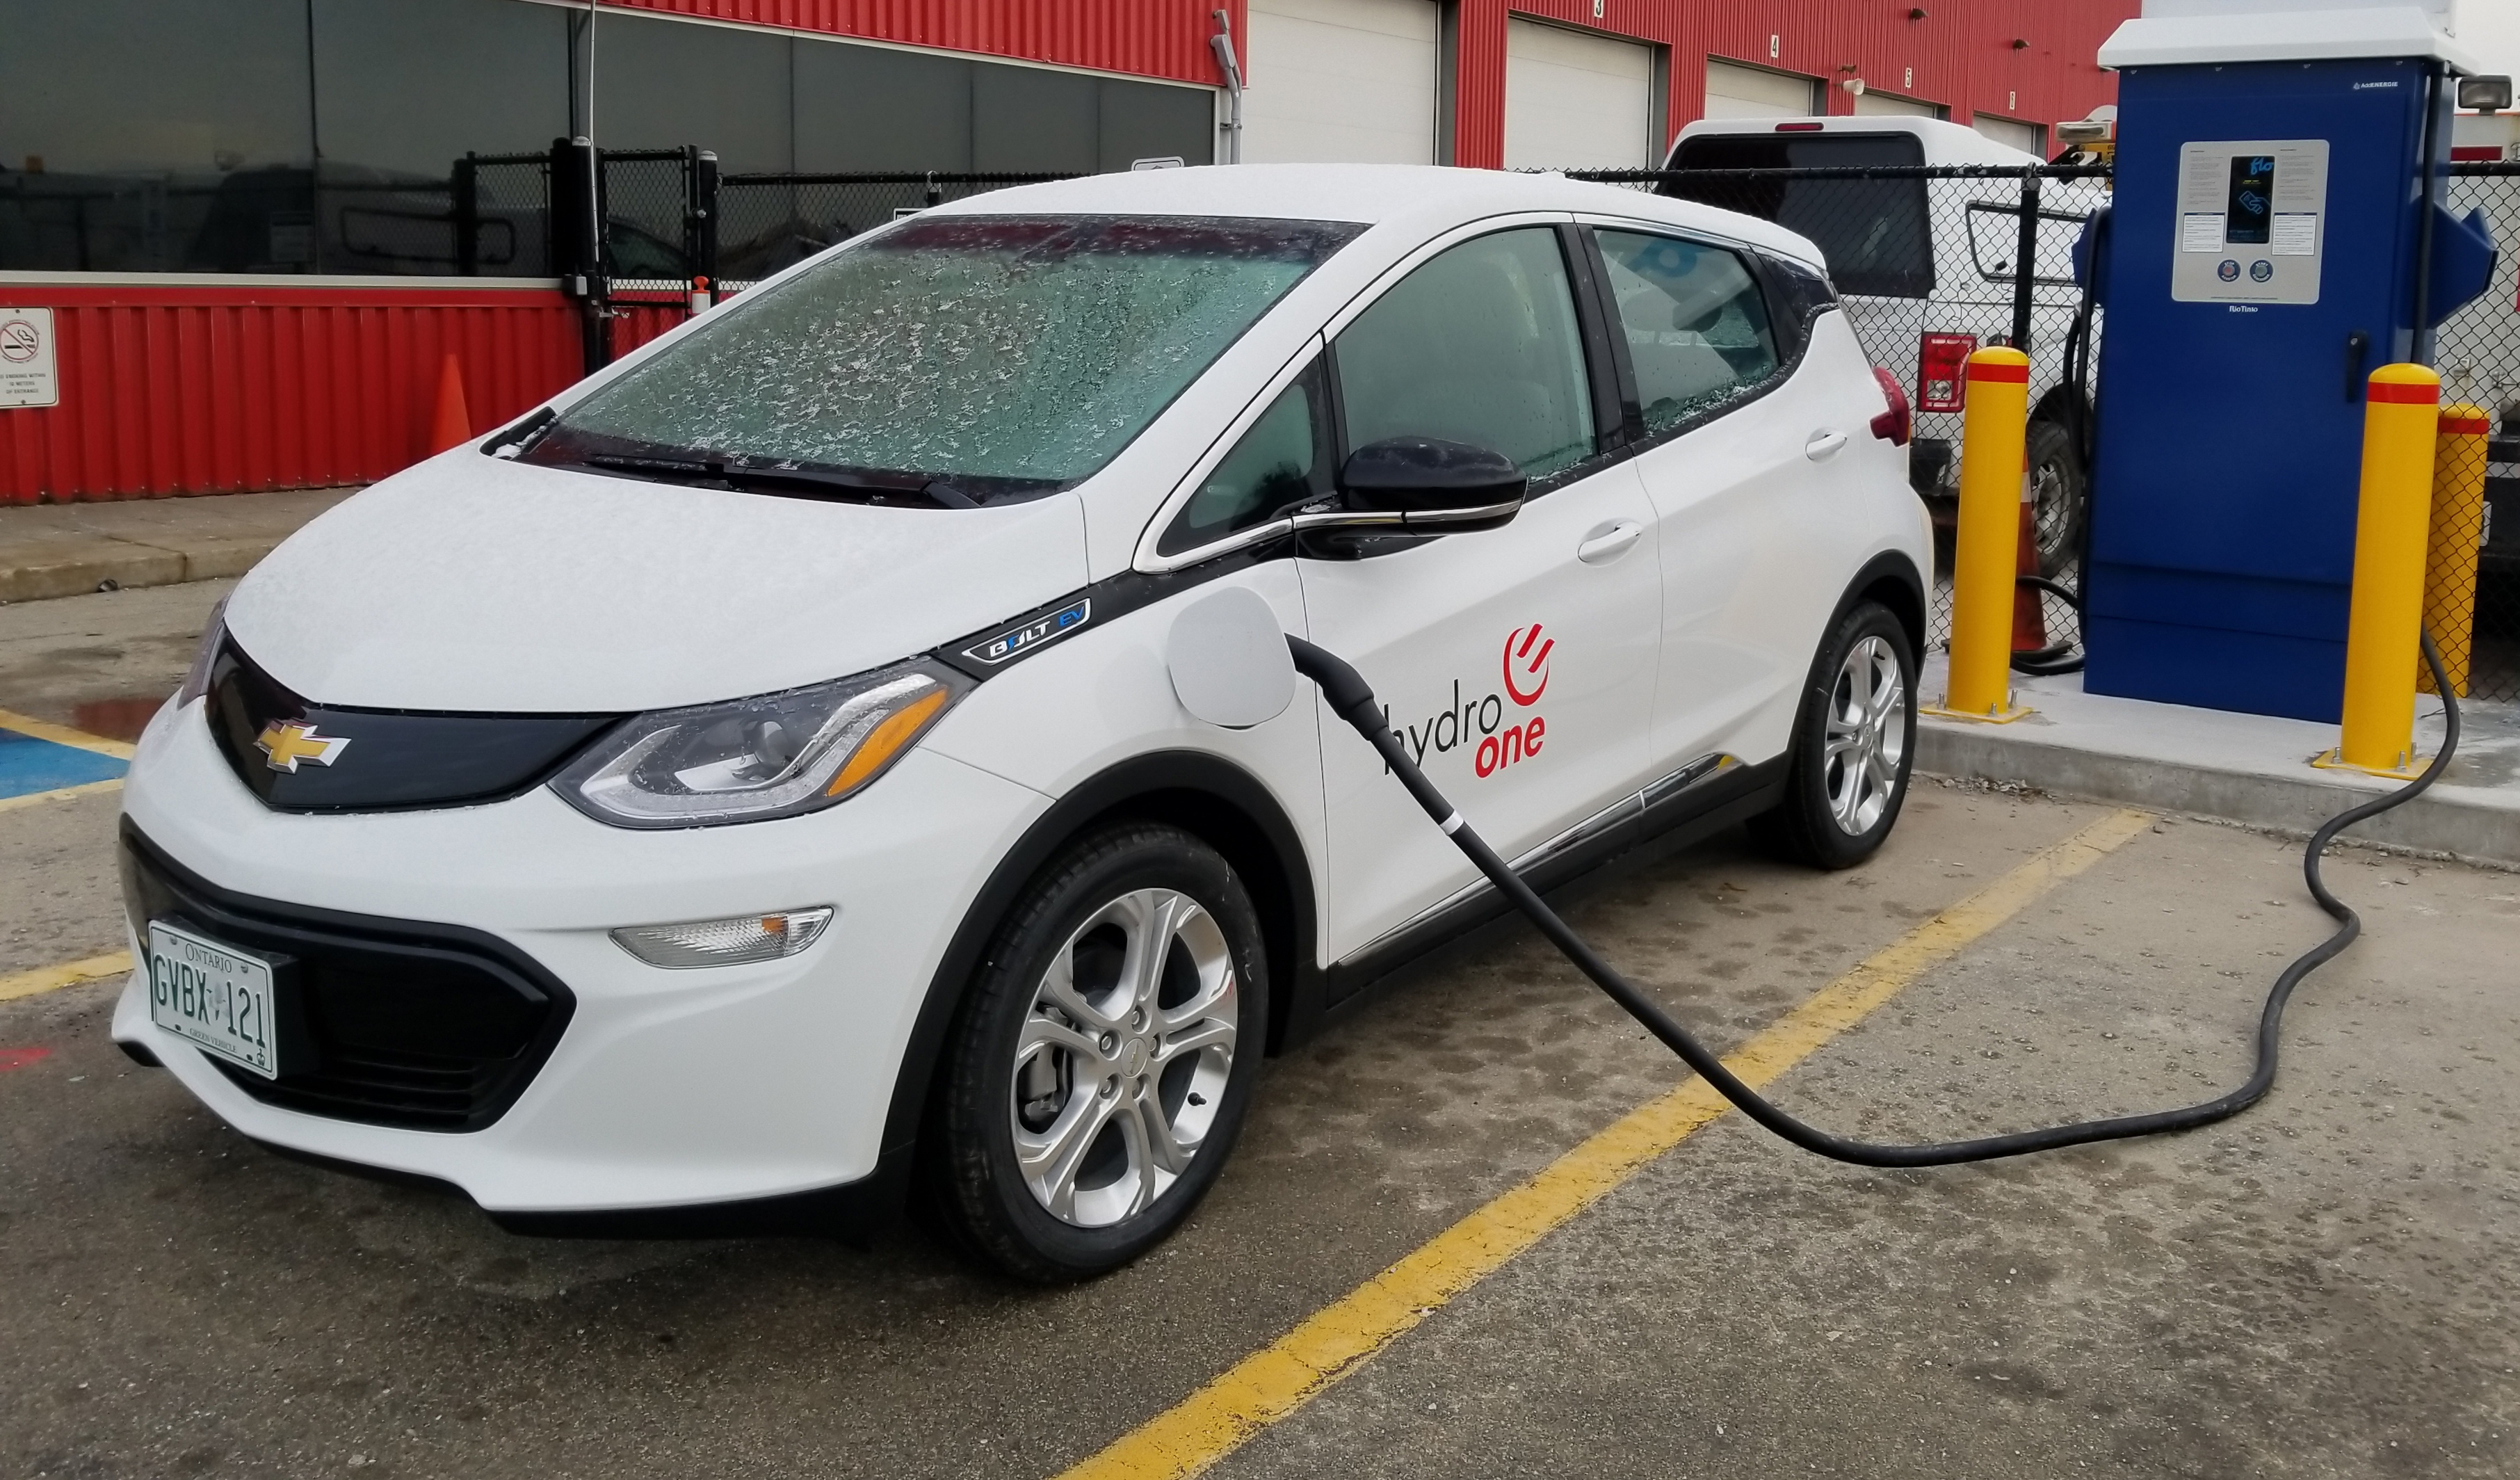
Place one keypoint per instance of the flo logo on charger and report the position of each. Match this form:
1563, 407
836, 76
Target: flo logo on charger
1499, 728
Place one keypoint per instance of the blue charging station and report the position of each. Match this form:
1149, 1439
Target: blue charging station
2276, 234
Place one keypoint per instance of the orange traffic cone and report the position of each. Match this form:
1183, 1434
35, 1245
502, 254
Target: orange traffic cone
2029, 609
450, 423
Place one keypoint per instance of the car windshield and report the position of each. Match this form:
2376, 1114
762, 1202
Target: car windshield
949, 360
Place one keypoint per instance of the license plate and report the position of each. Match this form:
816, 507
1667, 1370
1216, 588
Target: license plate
216, 997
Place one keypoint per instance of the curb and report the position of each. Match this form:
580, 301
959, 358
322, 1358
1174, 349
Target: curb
2433, 823
77, 568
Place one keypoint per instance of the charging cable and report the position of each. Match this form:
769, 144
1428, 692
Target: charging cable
1351, 699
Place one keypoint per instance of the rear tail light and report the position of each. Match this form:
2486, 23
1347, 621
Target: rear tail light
1941, 360
1891, 425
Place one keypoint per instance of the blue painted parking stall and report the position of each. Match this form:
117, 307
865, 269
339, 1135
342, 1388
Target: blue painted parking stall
37, 758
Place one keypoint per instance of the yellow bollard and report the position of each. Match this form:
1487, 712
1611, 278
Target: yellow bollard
2458, 529
2400, 420
1996, 421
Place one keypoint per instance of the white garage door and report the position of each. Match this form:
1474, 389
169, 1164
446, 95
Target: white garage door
2026, 137
1576, 99
1888, 105
1340, 81
1733, 91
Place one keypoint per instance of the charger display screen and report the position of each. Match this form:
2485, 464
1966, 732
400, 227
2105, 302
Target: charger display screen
2249, 219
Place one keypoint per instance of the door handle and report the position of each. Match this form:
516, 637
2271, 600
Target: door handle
1609, 542
1823, 444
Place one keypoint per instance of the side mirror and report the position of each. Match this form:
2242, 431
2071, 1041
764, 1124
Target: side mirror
1424, 485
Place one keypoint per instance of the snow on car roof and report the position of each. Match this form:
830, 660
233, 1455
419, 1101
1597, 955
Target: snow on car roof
1425, 196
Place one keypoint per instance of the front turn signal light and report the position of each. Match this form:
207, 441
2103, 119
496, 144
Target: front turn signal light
738, 940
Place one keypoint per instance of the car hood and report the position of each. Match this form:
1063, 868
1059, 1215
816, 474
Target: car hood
473, 583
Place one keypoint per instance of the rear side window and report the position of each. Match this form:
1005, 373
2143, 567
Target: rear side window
1875, 232
1478, 345
1698, 329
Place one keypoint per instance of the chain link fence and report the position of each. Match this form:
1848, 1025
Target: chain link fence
2474, 610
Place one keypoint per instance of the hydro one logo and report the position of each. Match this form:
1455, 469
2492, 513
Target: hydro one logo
1481, 722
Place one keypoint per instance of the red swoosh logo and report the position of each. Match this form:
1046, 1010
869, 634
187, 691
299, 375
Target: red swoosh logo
1532, 661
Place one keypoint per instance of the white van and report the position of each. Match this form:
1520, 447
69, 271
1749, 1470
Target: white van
1926, 270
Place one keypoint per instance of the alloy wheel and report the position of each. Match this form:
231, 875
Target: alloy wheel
1124, 1057
1866, 738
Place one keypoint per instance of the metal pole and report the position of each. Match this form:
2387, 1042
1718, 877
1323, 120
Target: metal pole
2419, 348
2385, 616
1222, 43
468, 218
1994, 425
2025, 260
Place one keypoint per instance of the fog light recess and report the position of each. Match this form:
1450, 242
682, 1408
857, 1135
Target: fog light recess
733, 942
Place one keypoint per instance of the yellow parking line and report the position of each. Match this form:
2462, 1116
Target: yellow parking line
62, 794
63, 735
68, 973
1281, 1377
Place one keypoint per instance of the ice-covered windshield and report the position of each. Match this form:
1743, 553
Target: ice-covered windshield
979, 357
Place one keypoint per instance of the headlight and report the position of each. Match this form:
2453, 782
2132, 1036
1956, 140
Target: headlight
196, 679
749, 759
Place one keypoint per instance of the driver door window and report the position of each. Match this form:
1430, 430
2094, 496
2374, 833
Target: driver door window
1479, 345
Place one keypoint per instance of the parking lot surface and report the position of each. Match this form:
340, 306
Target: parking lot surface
2318, 1288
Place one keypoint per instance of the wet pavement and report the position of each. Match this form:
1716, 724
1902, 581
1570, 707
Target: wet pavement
2318, 1289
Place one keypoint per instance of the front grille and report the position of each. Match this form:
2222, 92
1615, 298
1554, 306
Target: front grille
390, 1022
380, 760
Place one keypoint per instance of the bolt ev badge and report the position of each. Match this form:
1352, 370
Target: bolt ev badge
286, 742
1022, 639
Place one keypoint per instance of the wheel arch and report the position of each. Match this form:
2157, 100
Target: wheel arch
1891, 579
1206, 795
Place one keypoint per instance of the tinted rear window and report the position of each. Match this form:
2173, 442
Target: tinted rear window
1874, 231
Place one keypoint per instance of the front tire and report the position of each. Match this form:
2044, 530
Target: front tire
1855, 737
1103, 1059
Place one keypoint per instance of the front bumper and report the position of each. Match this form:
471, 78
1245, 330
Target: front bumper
657, 1088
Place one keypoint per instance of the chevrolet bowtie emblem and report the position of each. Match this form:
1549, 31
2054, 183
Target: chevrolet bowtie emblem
286, 742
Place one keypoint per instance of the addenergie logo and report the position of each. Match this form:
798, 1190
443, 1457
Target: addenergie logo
1481, 722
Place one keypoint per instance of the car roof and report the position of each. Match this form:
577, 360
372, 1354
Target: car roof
1418, 199
1945, 142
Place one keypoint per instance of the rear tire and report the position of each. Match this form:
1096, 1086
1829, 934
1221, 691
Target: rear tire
1103, 1059
1855, 737
2059, 494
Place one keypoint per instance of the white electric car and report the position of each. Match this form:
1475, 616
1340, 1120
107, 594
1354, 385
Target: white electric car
759, 781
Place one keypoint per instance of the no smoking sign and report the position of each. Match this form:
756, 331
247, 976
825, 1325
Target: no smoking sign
27, 376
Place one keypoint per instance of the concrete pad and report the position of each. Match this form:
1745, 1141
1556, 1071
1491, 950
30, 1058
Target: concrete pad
2247, 768
49, 550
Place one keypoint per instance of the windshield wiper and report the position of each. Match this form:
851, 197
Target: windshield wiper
793, 482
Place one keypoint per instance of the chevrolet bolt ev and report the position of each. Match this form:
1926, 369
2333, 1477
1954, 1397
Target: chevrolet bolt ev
752, 788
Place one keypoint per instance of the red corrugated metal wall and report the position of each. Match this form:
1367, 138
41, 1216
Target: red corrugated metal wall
1152, 38
185, 389
1961, 53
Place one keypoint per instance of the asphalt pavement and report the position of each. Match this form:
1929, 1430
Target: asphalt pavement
2318, 1289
